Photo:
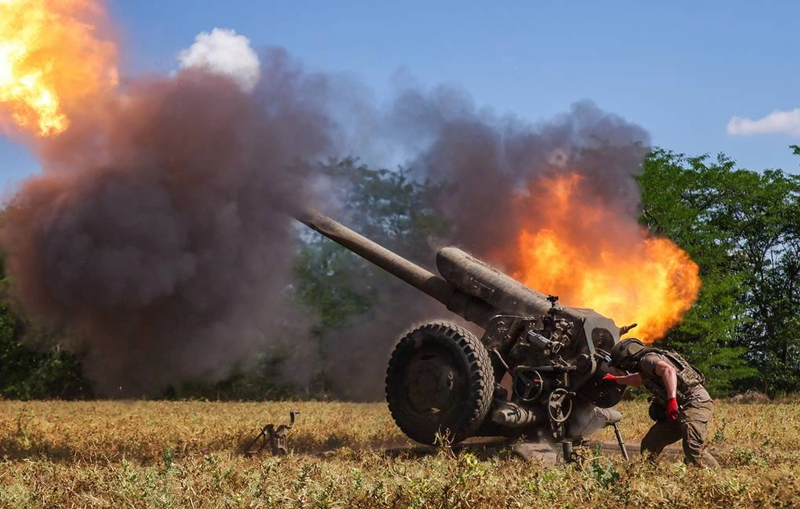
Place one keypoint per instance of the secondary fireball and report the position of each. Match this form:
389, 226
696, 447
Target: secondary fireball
53, 54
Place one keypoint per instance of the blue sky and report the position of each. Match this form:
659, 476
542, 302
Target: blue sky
681, 70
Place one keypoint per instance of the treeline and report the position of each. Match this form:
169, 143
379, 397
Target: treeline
742, 227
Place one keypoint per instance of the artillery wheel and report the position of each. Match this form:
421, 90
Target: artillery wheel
439, 380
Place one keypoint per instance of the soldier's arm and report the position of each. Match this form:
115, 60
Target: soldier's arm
669, 376
630, 379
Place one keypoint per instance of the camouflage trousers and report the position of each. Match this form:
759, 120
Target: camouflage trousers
691, 426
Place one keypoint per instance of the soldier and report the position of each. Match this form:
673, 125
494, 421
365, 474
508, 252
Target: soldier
680, 404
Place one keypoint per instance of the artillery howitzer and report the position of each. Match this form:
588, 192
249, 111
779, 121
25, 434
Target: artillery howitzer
442, 380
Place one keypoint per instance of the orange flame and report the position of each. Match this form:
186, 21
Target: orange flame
593, 256
52, 54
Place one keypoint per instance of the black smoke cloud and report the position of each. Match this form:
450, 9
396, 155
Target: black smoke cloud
487, 160
483, 162
158, 228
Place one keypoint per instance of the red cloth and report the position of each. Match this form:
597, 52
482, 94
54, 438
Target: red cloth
672, 409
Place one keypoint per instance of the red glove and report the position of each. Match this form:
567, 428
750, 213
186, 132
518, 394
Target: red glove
608, 377
672, 409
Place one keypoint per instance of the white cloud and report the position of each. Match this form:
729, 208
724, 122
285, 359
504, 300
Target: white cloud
777, 122
225, 52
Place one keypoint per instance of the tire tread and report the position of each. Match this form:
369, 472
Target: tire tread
481, 376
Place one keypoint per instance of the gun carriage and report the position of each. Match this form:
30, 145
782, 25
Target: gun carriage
443, 379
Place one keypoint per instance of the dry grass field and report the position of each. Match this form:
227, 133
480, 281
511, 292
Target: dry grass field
188, 454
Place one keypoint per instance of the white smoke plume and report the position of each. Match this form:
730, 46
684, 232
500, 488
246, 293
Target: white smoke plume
223, 51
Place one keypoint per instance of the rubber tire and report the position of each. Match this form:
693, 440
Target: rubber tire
470, 359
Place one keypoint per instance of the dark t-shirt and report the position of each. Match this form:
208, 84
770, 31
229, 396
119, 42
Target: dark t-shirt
647, 365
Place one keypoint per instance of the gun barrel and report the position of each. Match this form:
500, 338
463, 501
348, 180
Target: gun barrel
476, 278
467, 306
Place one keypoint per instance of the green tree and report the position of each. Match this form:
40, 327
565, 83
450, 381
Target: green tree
740, 227
385, 206
256, 383
35, 373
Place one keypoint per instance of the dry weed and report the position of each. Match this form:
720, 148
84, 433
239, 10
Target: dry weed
188, 454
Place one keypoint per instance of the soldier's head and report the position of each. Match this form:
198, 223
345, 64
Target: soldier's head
623, 355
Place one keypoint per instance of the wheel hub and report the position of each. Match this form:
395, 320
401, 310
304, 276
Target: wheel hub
431, 380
